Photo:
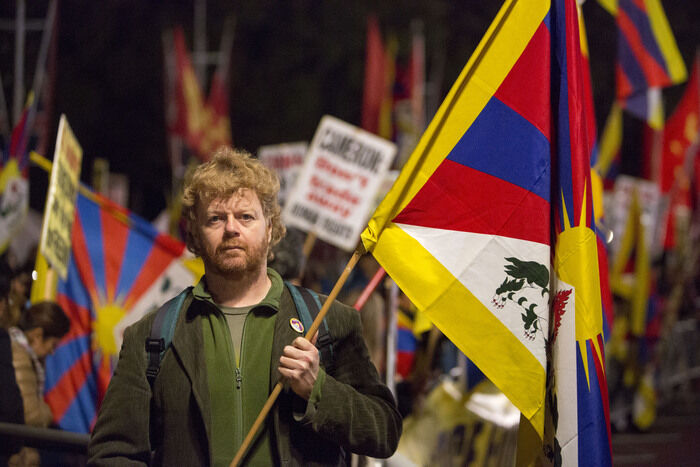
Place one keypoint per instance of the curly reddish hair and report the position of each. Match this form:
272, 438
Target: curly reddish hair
229, 171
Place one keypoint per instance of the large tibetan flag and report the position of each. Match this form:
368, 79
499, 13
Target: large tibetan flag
465, 230
647, 57
120, 268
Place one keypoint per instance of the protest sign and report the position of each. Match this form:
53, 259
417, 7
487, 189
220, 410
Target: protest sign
336, 186
286, 159
60, 202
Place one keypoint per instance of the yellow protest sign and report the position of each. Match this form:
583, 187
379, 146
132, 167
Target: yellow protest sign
55, 242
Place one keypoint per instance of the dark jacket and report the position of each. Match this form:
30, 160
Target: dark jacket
356, 412
11, 410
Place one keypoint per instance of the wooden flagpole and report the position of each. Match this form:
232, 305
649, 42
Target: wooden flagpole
309, 334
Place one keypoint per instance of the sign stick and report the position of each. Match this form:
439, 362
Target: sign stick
309, 334
309, 243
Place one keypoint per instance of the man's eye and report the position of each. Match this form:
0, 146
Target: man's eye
214, 218
247, 217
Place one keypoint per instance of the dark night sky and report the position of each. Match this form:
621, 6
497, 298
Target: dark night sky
293, 61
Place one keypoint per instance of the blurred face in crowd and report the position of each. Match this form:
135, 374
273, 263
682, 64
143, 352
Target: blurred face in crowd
42, 346
234, 235
21, 284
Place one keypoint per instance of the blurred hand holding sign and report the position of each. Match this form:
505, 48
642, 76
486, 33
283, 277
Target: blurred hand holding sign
55, 242
335, 189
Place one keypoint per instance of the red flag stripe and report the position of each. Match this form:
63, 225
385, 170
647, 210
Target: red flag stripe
527, 73
524, 215
63, 393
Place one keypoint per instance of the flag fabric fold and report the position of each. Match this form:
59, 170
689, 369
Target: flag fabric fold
120, 268
596, 181
582, 435
647, 58
469, 229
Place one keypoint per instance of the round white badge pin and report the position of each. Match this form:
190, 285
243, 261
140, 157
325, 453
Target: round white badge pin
296, 325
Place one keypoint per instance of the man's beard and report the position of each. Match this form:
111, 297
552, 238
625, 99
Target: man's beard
248, 259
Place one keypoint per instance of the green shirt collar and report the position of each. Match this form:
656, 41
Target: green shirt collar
271, 300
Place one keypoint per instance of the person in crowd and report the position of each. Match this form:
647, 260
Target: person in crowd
237, 334
9, 314
20, 286
373, 312
287, 256
38, 332
10, 397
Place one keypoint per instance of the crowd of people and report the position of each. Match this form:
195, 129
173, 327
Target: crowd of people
28, 334
241, 320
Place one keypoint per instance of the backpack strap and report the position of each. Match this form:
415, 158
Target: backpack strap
162, 331
308, 306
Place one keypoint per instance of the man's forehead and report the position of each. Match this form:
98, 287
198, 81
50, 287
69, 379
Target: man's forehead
242, 198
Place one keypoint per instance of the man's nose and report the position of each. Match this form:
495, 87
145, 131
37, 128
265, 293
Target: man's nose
232, 226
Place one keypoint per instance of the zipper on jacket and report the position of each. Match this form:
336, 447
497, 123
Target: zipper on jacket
239, 391
239, 378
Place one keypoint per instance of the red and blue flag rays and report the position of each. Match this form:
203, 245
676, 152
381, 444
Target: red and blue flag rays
115, 258
576, 258
71, 376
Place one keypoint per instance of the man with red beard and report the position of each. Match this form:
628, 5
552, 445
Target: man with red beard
238, 332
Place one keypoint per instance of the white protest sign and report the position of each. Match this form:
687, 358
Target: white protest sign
286, 159
335, 189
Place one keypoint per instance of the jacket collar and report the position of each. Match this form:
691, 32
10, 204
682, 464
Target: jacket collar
271, 300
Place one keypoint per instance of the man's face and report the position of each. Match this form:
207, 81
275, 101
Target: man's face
233, 234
